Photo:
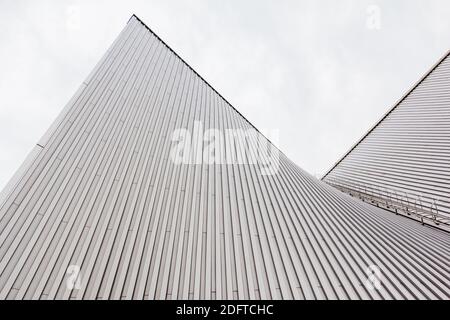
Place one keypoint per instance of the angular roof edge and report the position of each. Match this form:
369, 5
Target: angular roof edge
387, 113
204, 80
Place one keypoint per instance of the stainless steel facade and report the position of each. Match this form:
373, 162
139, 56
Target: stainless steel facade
99, 198
405, 157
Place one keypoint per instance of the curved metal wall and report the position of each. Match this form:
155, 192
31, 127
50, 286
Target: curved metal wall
100, 199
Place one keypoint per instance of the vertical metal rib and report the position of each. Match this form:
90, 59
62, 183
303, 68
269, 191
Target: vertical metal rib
101, 192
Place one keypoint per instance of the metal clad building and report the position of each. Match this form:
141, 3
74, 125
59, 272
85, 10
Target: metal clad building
405, 157
99, 210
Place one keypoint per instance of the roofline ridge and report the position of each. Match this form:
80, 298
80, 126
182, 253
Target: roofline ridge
206, 82
387, 113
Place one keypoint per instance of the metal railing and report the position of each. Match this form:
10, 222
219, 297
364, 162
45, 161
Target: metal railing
425, 210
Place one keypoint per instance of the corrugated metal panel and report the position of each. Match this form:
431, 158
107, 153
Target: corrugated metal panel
406, 156
102, 194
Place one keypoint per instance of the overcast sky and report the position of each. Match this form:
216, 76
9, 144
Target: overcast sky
321, 72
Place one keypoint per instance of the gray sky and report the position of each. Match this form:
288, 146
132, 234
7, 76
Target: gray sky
322, 72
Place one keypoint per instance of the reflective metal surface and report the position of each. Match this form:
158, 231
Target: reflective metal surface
99, 210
